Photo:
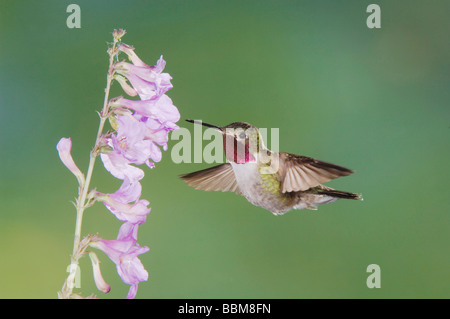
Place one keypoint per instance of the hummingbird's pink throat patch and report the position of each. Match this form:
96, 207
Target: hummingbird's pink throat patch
237, 152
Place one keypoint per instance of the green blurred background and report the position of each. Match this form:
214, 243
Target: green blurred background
374, 100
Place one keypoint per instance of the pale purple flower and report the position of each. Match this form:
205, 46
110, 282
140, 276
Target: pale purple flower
135, 213
139, 130
159, 135
139, 135
161, 109
125, 86
120, 167
146, 90
129, 191
152, 86
150, 72
130, 140
125, 203
124, 252
101, 284
148, 81
64, 147
129, 50
134, 143
157, 132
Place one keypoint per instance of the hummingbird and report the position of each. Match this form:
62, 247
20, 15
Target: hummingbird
277, 182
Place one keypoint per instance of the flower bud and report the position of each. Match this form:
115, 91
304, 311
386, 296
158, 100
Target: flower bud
113, 122
64, 146
118, 34
125, 86
98, 278
129, 50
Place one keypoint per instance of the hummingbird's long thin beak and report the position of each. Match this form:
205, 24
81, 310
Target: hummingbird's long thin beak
205, 124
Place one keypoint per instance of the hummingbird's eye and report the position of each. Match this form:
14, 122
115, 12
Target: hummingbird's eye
242, 135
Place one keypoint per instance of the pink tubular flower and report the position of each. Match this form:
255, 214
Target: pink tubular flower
148, 81
157, 132
120, 167
101, 284
125, 86
149, 73
124, 252
118, 203
129, 50
140, 134
145, 89
155, 118
134, 213
64, 146
129, 191
130, 140
145, 81
138, 130
134, 143
161, 109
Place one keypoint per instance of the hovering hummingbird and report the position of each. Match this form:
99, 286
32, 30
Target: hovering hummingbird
277, 182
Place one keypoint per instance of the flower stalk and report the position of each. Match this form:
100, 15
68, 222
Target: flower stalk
139, 129
84, 186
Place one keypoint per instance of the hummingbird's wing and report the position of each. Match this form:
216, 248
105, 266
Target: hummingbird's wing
216, 178
300, 173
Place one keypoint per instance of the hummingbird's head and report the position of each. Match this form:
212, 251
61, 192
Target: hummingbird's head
241, 141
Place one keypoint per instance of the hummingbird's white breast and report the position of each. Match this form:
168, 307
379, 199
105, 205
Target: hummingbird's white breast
249, 181
247, 176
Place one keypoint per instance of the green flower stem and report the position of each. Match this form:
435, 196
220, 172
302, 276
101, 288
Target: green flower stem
79, 250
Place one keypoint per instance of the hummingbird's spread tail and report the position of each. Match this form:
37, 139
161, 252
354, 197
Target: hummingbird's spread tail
339, 194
